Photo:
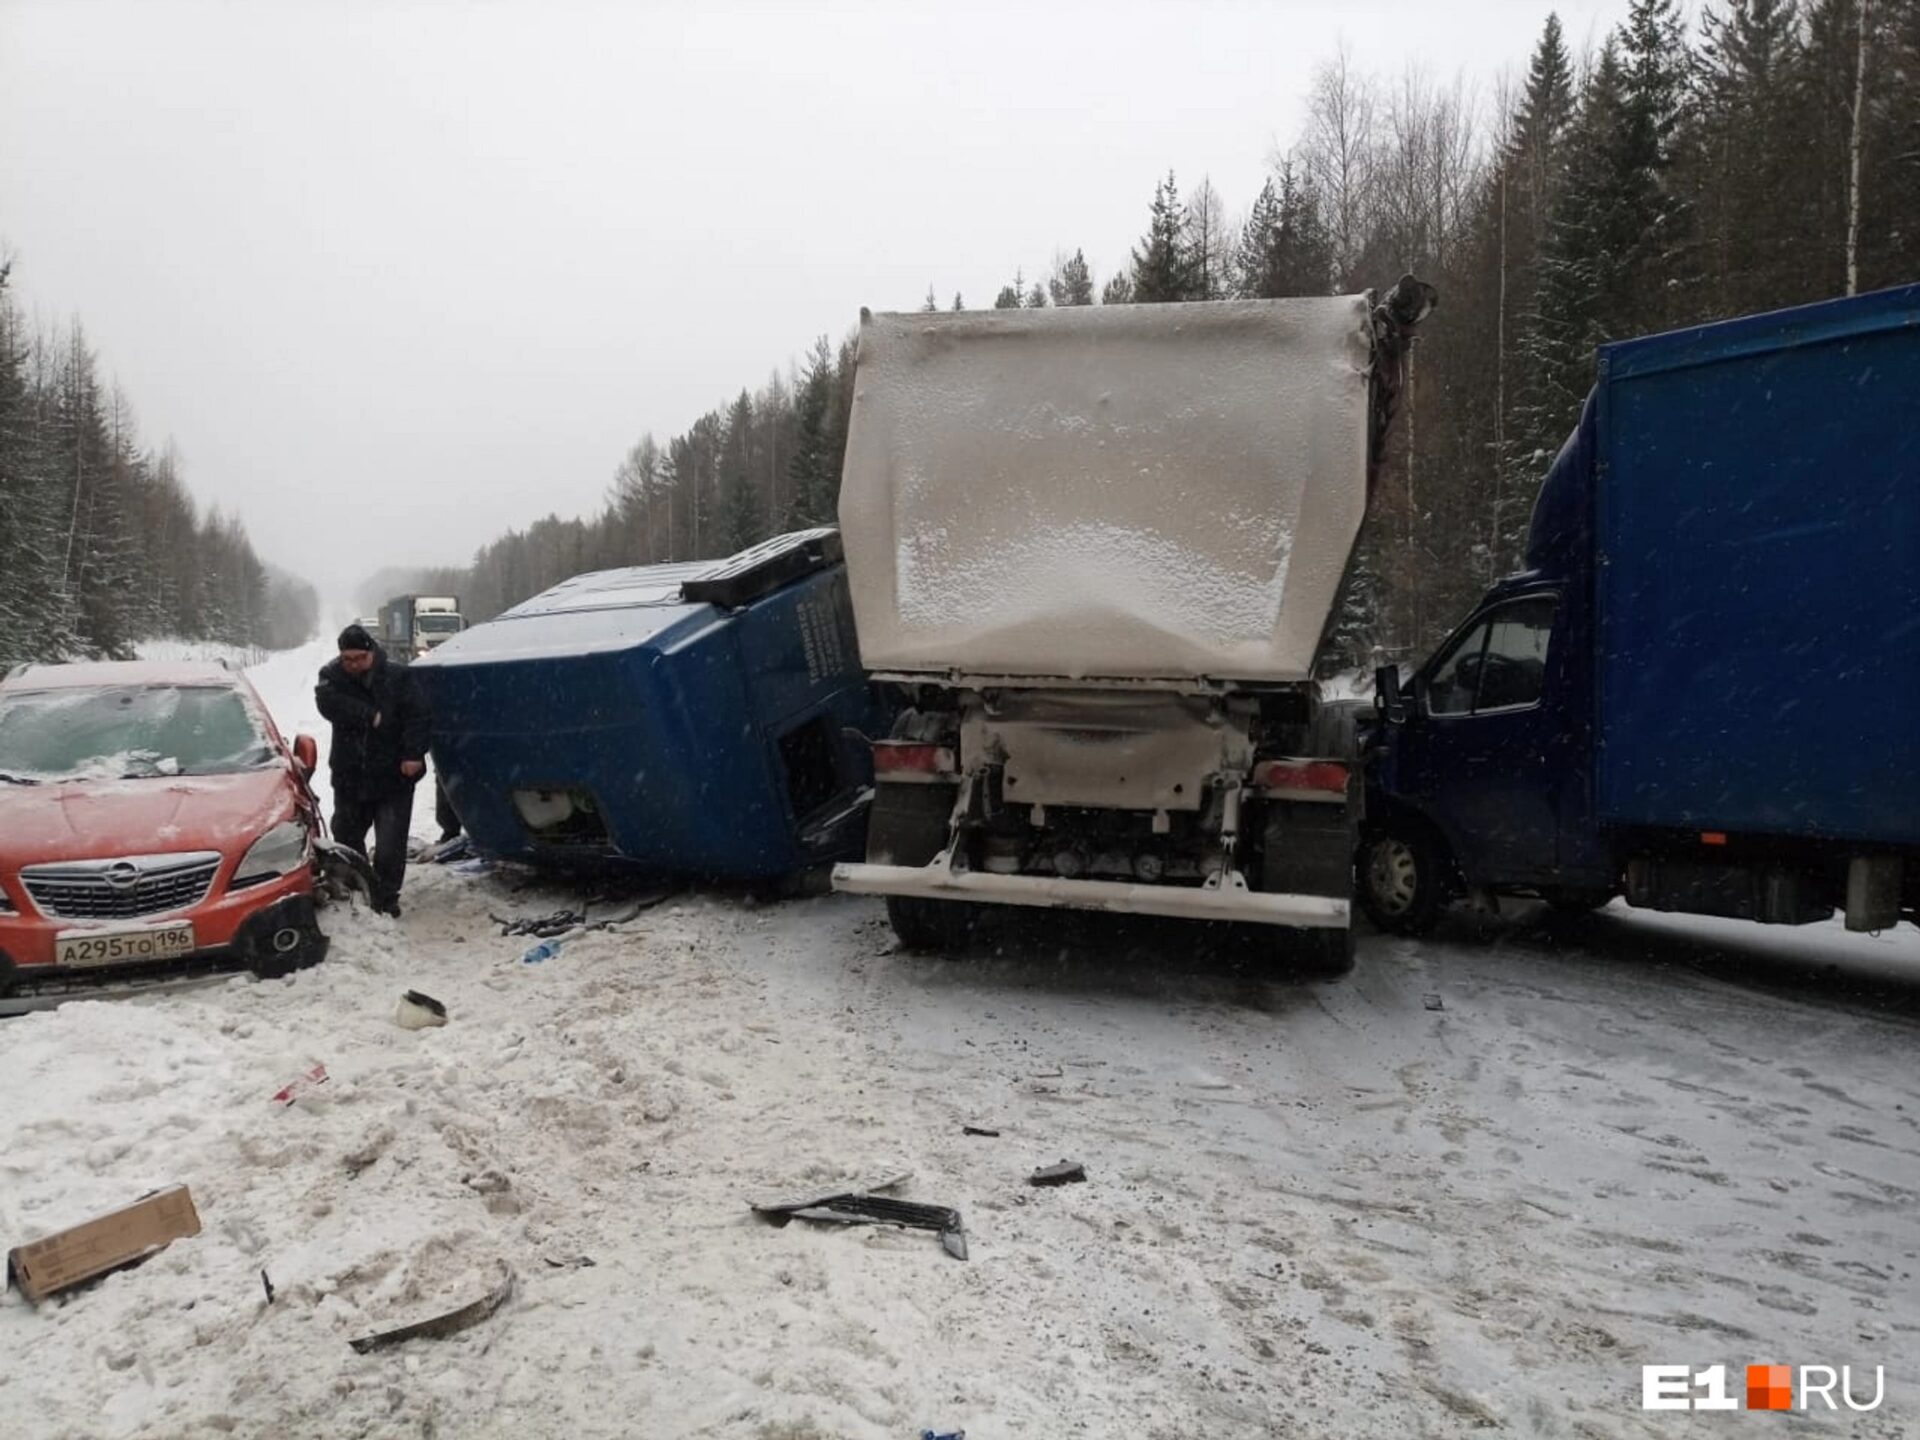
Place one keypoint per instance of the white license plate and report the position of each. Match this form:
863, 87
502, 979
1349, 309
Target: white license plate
123, 947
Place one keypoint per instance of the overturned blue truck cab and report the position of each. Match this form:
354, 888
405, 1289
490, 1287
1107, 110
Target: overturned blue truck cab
700, 720
1703, 692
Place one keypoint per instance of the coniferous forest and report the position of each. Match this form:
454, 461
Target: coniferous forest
1764, 154
101, 545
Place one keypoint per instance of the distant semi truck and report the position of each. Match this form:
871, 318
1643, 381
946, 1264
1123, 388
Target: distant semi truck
411, 625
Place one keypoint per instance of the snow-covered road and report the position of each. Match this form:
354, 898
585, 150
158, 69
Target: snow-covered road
1312, 1209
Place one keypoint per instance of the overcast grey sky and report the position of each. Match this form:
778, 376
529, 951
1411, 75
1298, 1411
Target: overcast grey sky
397, 277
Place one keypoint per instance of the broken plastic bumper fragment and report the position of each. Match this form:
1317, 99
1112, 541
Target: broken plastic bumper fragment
856, 1209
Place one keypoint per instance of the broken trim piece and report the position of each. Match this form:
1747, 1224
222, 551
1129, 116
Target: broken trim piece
440, 1326
856, 1209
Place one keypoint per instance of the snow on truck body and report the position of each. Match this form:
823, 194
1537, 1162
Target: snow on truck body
1101, 547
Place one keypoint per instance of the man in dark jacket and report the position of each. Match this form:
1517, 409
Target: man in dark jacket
380, 733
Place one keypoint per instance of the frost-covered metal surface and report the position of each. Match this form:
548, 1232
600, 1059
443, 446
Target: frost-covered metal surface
1148, 491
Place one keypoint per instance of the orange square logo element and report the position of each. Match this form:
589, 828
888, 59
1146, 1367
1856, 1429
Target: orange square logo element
1769, 1387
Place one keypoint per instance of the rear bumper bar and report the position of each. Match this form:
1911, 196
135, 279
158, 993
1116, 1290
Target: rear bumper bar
937, 882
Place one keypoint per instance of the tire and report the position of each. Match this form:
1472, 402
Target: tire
304, 956
1403, 878
928, 925
1319, 953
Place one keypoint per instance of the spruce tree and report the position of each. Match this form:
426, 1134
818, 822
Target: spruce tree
1163, 268
1285, 247
811, 480
1072, 284
1751, 231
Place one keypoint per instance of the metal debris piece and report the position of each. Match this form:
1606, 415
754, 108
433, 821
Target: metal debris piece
979, 1130
1067, 1172
1433, 1003
441, 1326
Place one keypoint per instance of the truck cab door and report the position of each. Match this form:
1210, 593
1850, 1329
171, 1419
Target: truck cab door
1484, 756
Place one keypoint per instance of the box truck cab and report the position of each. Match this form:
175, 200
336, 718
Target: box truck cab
1701, 692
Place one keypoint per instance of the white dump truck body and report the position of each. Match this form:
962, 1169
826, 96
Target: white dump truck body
1099, 548
1120, 493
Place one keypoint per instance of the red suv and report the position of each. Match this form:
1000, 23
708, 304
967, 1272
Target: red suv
149, 813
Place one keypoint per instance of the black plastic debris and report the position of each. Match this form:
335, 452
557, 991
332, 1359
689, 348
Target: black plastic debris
1067, 1172
438, 1327
979, 1130
1433, 1003
867, 1209
542, 926
562, 921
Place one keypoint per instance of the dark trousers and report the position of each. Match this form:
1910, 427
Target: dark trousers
444, 814
389, 816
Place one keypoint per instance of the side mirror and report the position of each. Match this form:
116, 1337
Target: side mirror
1387, 696
306, 754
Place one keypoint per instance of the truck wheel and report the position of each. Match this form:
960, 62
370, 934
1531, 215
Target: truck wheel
935, 925
1320, 953
1403, 882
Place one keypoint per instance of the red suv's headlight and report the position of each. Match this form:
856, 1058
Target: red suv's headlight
280, 850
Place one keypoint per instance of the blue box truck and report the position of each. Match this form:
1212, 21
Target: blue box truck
1703, 692
701, 720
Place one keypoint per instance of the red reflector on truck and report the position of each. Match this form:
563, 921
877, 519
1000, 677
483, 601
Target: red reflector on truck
911, 757
1713, 837
1327, 777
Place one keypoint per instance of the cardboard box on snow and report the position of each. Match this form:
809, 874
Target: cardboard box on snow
65, 1258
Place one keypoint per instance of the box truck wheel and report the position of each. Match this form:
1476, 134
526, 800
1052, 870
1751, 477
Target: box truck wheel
1403, 877
929, 924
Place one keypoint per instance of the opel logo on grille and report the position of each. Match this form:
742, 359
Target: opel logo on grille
122, 874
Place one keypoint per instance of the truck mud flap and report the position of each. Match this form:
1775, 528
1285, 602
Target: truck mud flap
1242, 906
908, 824
1307, 849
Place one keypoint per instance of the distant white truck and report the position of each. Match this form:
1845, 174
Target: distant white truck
411, 625
1099, 548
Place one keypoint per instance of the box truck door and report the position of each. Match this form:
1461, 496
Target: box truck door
1484, 754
